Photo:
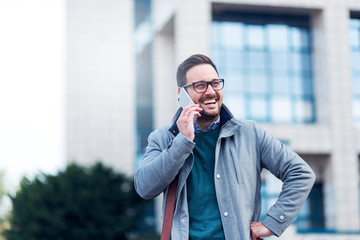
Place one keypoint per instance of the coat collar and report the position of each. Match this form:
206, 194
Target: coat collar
225, 116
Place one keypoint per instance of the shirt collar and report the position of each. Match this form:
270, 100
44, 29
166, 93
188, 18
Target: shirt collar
224, 113
212, 126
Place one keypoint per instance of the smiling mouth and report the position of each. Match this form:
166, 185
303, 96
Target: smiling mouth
208, 102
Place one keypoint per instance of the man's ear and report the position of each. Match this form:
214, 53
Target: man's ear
179, 90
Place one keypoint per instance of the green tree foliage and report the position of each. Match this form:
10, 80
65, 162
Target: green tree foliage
3, 222
79, 203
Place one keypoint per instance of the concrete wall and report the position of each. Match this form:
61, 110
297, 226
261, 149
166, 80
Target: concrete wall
100, 83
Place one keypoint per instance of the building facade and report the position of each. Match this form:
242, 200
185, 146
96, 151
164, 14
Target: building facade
100, 87
293, 66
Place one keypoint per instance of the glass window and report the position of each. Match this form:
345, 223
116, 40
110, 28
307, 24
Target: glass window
142, 11
235, 78
280, 61
236, 104
302, 84
221, 57
354, 23
356, 108
232, 35
255, 37
355, 56
300, 38
144, 93
258, 107
256, 81
304, 110
267, 59
233, 59
281, 109
300, 61
278, 37
313, 210
255, 59
354, 34
354, 38
356, 83
281, 82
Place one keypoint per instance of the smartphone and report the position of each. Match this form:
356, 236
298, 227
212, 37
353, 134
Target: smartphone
184, 99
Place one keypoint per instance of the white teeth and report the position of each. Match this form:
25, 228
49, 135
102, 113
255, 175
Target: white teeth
209, 101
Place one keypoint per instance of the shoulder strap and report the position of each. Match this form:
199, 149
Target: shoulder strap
169, 210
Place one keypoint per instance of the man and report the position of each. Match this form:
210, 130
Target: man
218, 161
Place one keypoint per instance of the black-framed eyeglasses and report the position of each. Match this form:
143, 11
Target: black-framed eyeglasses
202, 86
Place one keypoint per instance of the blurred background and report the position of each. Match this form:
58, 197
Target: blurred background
83, 81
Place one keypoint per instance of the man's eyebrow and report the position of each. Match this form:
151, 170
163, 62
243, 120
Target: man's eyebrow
207, 81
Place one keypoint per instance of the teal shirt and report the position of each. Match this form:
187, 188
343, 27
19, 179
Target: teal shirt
205, 220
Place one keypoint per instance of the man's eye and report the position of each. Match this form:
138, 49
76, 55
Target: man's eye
200, 86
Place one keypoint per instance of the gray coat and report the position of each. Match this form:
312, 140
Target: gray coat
242, 150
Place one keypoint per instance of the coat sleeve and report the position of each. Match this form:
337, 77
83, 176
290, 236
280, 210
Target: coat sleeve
296, 175
163, 158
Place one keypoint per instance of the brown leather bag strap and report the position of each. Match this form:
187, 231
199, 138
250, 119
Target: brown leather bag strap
169, 210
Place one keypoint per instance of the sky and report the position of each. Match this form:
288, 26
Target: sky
32, 89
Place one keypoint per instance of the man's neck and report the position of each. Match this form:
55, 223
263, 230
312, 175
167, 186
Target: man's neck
205, 123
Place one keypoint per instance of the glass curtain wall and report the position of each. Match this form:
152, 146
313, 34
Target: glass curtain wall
354, 42
265, 60
355, 65
143, 68
143, 98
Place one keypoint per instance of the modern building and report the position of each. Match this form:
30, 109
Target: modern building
293, 66
100, 84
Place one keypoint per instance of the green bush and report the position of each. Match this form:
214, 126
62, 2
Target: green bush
78, 203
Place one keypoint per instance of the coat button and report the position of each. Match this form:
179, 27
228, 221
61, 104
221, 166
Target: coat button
183, 221
218, 176
226, 214
282, 217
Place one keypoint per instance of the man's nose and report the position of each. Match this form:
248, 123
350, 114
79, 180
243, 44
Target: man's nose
209, 90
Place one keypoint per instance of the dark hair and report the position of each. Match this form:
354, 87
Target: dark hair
190, 62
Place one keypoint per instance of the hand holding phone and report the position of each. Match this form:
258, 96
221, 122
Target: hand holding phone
184, 123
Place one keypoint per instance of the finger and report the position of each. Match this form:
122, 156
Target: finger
195, 109
190, 117
186, 113
253, 237
186, 110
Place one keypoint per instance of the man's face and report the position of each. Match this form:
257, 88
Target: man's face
210, 100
